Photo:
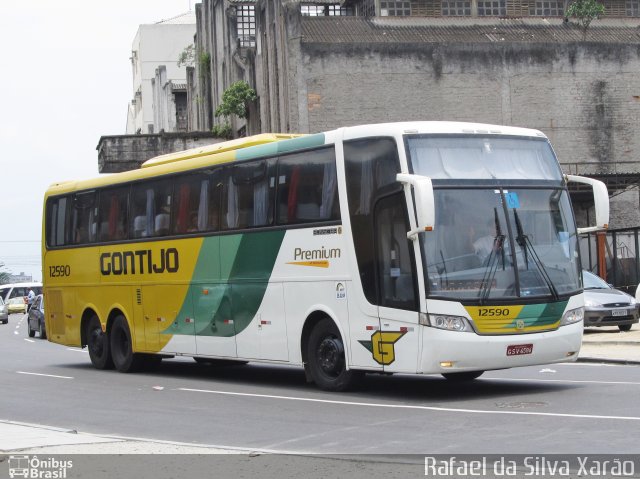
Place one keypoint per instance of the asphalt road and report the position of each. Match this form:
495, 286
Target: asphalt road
569, 408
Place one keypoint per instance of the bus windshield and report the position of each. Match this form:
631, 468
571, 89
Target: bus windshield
477, 158
494, 242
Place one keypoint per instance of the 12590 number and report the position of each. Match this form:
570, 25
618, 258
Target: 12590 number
493, 312
59, 271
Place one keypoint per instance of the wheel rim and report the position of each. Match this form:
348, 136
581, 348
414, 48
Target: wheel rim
331, 356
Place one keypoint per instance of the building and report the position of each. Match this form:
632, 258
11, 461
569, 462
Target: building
319, 65
159, 84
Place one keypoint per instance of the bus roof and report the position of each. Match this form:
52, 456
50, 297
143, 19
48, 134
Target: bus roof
215, 148
201, 157
267, 144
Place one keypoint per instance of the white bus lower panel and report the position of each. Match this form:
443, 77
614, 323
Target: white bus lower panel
450, 352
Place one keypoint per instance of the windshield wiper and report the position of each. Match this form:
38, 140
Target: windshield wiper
492, 262
527, 248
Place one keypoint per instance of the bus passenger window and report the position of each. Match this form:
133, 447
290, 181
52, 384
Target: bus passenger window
307, 187
151, 209
112, 211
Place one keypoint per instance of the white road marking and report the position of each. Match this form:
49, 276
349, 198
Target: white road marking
29, 340
77, 350
47, 375
421, 408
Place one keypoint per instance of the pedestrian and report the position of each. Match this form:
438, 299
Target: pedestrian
30, 297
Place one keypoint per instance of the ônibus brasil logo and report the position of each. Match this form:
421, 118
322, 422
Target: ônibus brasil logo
36, 468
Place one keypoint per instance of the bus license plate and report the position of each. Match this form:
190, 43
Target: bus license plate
618, 312
518, 349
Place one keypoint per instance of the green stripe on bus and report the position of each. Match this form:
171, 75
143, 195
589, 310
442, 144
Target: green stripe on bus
230, 288
540, 314
284, 146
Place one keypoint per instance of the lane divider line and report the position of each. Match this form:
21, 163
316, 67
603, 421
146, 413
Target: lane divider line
46, 375
420, 408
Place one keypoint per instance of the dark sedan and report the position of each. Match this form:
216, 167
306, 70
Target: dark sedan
36, 318
606, 306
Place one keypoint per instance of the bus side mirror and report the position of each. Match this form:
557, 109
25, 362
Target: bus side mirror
424, 202
600, 201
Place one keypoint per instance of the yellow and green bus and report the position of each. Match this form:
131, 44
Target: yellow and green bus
416, 247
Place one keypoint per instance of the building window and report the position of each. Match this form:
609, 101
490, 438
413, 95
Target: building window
246, 24
549, 8
366, 8
492, 8
313, 10
395, 8
338, 11
456, 8
633, 8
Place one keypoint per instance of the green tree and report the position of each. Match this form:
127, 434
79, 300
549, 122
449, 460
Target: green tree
4, 275
234, 102
585, 11
187, 56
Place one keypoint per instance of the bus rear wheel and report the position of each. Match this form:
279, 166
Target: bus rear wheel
124, 359
465, 376
326, 358
98, 345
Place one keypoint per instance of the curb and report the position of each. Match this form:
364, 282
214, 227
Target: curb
625, 362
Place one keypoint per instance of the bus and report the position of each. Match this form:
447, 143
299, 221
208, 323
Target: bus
346, 252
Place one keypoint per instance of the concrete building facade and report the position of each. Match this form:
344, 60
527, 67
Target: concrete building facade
159, 94
321, 70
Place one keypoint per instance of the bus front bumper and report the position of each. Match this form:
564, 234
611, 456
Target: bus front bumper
450, 351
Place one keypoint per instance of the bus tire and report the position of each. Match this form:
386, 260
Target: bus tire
326, 358
124, 359
464, 376
98, 345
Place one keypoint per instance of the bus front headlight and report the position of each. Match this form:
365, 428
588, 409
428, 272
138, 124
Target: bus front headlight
572, 316
449, 323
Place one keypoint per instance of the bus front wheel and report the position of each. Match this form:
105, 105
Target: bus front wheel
326, 358
124, 359
98, 345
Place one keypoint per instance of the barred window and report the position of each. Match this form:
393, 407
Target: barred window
366, 8
549, 8
456, 8
338, 11
492, 8
395, 8
246, 24
313, 10
633, 8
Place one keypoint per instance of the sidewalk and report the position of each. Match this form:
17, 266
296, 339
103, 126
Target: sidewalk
609, 344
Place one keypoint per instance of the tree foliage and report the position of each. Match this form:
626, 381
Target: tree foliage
4, 275
187, 56
585, 11
234, 100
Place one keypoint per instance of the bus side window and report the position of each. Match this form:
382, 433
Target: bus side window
371, 165
307, 187
151, 209
112, 210
247, 198
56, 221
83, 218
